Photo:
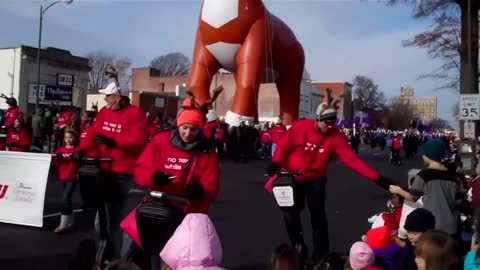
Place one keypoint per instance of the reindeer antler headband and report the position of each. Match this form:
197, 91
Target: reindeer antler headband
328, 109
331, 103
112, 73
204, 107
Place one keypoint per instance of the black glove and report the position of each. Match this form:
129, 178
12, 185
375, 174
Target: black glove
59, 156
273, 168
77, 156
384, 182
161, 178
102, 139
194, 190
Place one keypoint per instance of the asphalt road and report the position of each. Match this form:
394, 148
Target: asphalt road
245, 215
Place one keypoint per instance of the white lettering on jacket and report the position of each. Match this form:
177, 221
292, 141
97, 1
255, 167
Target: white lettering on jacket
112, 127
312, 146
176, 164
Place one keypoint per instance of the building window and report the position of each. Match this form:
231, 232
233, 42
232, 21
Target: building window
154, 72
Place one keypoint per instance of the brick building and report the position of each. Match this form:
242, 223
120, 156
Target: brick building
148, 79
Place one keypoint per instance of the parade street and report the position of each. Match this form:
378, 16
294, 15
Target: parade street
246, 217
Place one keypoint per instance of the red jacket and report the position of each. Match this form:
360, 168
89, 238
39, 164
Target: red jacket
302, 148
22, 139
67, 169
396, 144
128, 127
64, 119
277, 132
154, 126
209, 129
161, 156
11, 115
265, 137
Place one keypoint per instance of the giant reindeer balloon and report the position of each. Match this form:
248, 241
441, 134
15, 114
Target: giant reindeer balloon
243, 37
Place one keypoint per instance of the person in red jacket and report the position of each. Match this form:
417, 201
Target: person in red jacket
266, 140
18, 139
67, 173
396, 145
180, 162
120, 132
155, 125
13, 112
276, 133
308, 146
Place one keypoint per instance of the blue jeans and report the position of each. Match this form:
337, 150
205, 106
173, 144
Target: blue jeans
274, 146
68, 189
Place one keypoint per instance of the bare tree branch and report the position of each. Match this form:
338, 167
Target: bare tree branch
442, 43
448, 40
99, 61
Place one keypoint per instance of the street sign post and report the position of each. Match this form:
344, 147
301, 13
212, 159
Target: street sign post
469, 130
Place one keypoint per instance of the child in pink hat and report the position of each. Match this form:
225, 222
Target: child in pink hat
361, 257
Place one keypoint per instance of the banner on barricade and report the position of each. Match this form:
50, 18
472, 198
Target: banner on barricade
23, 181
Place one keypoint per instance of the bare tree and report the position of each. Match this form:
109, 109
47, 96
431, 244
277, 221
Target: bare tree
172, 64
468, 74
401, 114
442, 42
367, 94
99, 61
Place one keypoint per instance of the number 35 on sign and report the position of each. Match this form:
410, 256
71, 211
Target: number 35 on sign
470, 107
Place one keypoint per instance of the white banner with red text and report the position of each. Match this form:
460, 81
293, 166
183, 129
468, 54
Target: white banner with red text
23, 181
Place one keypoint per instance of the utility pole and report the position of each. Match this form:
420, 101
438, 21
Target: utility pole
469, 96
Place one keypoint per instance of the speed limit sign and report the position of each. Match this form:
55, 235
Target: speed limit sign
469, 107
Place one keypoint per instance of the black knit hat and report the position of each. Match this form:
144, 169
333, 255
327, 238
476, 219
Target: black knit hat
420, 220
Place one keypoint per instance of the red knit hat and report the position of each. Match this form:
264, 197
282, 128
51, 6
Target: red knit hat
194, 113
190, 115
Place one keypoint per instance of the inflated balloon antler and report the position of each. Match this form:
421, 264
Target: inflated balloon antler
331, 103
205, 106
3, 96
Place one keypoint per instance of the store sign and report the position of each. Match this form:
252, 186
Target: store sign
65, 79
60, 95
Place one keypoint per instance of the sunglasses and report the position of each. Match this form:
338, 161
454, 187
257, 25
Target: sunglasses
328, 122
